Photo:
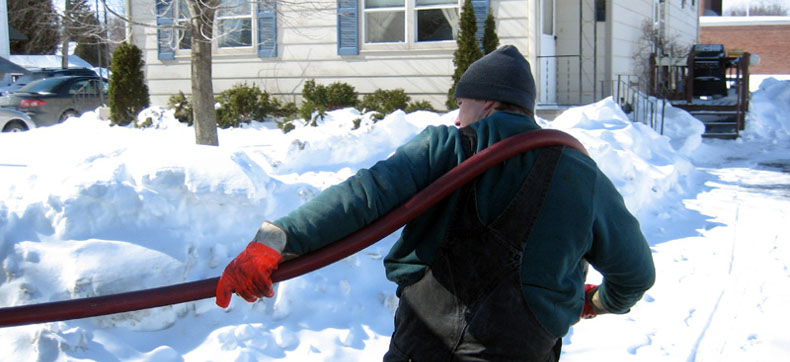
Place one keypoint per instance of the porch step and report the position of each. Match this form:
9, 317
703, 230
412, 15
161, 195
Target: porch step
718, 124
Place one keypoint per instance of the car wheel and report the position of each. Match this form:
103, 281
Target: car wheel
15, 126
67, 114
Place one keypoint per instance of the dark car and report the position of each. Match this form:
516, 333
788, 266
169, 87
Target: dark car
51, 100
42, 73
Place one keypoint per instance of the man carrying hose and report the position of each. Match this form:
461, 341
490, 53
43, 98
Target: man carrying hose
495, 271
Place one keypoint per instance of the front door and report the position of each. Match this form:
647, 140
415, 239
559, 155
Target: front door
547, 61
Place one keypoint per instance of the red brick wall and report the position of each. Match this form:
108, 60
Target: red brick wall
770, 42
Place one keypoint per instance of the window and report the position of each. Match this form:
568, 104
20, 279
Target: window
82, 86
240, 26
600, 10
407, 21
233, 23
183, 34
548, 17
437, 20
385, 21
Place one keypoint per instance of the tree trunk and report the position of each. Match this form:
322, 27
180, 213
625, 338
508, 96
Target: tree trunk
64, 53
64, 48
202, 88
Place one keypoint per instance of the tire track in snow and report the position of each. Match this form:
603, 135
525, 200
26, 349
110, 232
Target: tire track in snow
737, 325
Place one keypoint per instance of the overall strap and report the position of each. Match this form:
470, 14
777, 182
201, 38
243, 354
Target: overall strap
518, 218
468, 141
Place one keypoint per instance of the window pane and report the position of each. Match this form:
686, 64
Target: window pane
235, 33
372, 4
183, 10
436, 24
234, 8
385, 26
548, 17
436, 2
184, 37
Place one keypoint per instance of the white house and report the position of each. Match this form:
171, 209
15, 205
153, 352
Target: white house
577, 48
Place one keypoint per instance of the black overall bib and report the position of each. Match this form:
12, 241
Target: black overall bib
470, 305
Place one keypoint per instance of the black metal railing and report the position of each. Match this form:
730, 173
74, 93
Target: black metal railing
630, 92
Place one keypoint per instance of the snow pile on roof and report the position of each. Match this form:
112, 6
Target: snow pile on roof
48, 61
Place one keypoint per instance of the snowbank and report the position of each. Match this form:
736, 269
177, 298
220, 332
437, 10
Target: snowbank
88, 209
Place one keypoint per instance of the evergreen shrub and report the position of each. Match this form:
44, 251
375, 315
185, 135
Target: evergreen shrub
490, 38
468, 49
242, 104
420, 106
128, 91
182, 107
387, 101
323, 98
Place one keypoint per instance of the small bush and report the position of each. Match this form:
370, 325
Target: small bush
182, 107
306, 112
287, 111
286, 126
128, 93
149, 122
420, 106
387, 101
242, 104
322, 98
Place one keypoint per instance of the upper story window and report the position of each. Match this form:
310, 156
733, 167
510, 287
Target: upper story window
407, 21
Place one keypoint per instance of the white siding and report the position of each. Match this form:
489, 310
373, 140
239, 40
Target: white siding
307, 49
628, 18
683, 22
515, 24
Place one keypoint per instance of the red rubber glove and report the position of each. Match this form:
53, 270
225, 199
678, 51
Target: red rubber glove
249, 274
589, 311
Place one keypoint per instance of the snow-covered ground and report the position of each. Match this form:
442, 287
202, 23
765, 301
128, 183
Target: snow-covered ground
87, 209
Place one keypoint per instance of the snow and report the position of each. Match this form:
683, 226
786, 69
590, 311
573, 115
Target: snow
87, 209
48, 61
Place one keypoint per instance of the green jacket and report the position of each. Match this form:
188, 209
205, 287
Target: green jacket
583, 216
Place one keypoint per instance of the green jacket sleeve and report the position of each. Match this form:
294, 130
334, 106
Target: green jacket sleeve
363, 198
619, 251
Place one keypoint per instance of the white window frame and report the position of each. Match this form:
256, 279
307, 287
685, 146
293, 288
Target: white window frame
410, 28
250, 15
215, 48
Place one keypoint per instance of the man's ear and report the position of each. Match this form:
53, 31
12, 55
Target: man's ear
489, 105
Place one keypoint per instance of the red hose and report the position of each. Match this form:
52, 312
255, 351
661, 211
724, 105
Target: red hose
362, 238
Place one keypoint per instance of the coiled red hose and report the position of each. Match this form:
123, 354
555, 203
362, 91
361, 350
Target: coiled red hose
179, 293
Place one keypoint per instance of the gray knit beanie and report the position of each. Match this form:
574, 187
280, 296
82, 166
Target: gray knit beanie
502, 75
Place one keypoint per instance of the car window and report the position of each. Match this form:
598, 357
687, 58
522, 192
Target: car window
27, 78
82, 87
41, 85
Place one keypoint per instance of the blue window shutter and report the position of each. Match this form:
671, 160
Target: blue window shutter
347, 27
481, 13
165, 35
267, 28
